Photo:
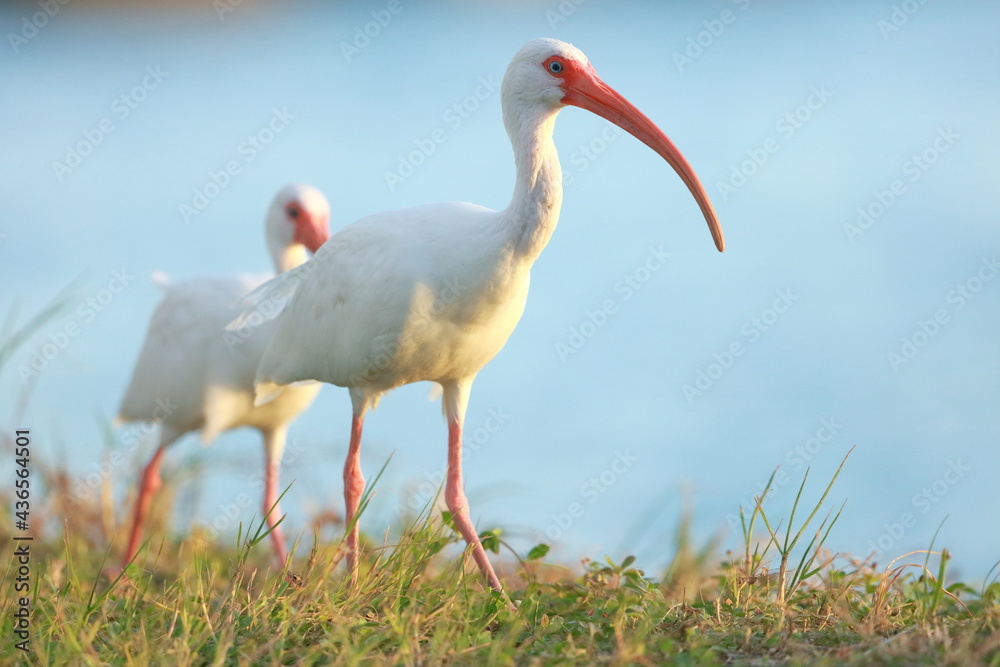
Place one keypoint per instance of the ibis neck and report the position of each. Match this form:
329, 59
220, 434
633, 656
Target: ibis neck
286, 254
287, 257
533, 212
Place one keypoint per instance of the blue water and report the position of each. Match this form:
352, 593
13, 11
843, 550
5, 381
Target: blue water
590, 427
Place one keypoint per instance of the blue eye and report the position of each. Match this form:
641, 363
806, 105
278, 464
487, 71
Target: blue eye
555, 67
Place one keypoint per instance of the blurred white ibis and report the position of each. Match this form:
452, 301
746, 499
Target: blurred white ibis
433, 292
190, 376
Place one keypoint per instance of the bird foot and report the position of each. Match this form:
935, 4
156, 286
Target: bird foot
116, 575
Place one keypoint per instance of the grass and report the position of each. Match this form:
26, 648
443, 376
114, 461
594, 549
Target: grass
786, 598
190, 601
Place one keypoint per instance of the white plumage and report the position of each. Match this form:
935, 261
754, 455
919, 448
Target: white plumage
192, 375
427, 293
200, 378
433, 292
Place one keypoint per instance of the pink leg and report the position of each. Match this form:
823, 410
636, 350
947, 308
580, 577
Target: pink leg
454, 497
148, 485
354, 486
274, 445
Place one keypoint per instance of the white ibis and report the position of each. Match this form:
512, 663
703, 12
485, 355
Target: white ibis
190, 376
433, 292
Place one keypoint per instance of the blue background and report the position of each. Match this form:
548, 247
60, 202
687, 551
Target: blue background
884, 82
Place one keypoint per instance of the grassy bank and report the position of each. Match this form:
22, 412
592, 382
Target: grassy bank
785, 599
